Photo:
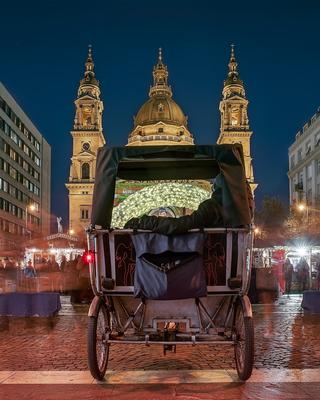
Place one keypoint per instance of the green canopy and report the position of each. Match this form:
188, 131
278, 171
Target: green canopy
145, 163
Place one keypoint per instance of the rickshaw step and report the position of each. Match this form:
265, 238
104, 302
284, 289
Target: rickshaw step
175, 342
179, 338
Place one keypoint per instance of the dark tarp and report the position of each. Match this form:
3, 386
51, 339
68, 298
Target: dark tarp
169, 267
29, 304
172, 163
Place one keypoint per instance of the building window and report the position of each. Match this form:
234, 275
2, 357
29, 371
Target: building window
85, 171
299, 185
18, 123
292, 161
160, 130
309, 195
309, 171
299, 155
308, 148
84, 213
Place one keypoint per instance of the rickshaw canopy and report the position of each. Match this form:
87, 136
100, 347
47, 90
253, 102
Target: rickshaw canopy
147, 163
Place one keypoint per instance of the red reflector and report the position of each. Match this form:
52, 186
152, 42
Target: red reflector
88, 257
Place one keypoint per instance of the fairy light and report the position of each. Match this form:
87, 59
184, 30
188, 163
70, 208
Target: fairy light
161, 195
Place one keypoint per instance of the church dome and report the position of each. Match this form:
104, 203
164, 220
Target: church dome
160, 121
160, 108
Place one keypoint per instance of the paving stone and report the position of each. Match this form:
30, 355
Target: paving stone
60, 343
218, 391
273, 391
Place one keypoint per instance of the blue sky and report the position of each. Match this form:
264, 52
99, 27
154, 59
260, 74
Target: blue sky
44, 46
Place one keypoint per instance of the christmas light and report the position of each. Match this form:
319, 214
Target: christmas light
161, 195
88, 257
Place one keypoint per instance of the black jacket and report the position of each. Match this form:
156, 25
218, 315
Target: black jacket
208, 215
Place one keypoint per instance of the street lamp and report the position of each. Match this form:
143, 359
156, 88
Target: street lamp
30, 207
303, 207
257, 232
71, 232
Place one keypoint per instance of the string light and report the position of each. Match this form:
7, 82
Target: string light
161, 195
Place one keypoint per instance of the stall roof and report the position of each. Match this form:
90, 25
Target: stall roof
172, 162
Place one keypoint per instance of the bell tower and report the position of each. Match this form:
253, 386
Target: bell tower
87, 137
233, 108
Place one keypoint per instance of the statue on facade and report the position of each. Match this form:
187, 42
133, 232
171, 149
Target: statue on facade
60, 229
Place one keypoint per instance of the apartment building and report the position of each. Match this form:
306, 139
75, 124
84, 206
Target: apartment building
25, 175
304, 164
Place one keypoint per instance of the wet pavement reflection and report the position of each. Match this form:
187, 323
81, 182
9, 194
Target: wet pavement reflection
285, 337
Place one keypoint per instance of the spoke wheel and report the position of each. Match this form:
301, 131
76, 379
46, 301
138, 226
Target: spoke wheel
243, 342
98, 348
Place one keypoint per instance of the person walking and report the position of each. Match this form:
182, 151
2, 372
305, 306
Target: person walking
288, 273
29, 270
303, 273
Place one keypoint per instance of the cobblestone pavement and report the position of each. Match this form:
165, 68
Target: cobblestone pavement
285, 338
217, 391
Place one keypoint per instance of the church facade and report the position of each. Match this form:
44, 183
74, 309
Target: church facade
234, 126
87, 137
159, 121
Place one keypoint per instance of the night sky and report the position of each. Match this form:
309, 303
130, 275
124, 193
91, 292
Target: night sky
44, 47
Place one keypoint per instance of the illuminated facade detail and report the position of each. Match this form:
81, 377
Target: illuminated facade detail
233, 108
160, 121
161, 195
87, 137
304, 164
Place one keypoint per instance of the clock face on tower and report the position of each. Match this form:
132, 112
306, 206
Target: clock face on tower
86, 146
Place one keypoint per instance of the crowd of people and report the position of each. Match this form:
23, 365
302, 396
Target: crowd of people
22, 274
302, 273
41, 264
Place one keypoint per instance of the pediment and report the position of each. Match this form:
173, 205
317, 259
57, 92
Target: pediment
86, 96
87, 153
236, 97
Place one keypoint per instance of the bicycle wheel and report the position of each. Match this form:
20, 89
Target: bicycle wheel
98, 347
243, 342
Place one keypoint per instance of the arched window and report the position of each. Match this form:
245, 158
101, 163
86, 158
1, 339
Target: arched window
85, 171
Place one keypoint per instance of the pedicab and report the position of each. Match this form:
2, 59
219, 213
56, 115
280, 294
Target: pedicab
171, 290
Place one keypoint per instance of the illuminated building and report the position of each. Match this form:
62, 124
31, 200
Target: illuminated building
234, 127
87, 137
25, 175
304, 164
160, 121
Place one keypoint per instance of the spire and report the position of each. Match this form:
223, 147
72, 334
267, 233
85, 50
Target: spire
233, 74
89, 64
160, 55
232, 63
160, 78
89, 75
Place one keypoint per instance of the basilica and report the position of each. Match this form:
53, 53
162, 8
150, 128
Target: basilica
160, 121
